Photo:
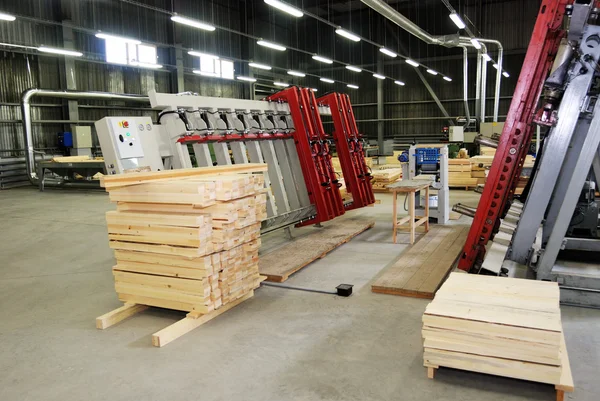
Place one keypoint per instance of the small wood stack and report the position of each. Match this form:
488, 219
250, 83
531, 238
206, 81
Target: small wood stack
459, 173
385, 177
337, 166
186, 239
501, 326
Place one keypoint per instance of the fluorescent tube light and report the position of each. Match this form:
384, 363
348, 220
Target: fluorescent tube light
248, 79
399, 83
271, 45
506, 74
199, 54
329, 81
296, 73
192, 23
378, 76
353, 68
476, 43
281, 84
432, 72
495, 66
457, 20
206, 74
145, 65
322, 59
121, 38
314, 89
448, 79
260, 66
387, 52
347, 35
7, 17
60, 51
285, 7
412, 62
486, 57
352, 86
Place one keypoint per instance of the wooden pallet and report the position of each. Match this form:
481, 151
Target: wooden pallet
169, 333
281, 263
422, 267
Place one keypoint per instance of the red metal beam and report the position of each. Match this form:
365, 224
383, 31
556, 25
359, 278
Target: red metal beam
516, 135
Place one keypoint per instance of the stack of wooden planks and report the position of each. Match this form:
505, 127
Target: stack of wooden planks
501, 326
459, 173
186, 242
337, 167
383, 178
480, 166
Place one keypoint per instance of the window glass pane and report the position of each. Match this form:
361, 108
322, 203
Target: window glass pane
116, 51
227, 69
207, 64
146, 54
132, 53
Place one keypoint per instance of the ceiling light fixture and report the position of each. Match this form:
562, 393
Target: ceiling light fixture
199, 54
457, 20
352, 86
506, 74
192, 23
329, 81
448, 79
388, 52
322, 59
399, 83
495, 66
7, 17
285, 8
281, 84
296, 73
260, 66
432, 72
347, 35
353, 68
486, 57
378, 76
60, 51
271, 45
314, 89
412, 62
247, 79
206, 74
145, 65
106, 36
475, 43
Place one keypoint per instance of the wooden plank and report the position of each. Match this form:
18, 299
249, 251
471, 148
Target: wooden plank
565, 383
189, 323
279, 264
121, 180
161, 270
116, 243
113, 317
421, 269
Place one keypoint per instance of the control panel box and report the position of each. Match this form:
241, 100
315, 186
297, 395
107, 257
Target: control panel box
82, 137
456, 133
129, 144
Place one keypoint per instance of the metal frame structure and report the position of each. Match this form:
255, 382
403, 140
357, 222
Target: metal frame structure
284, 131
517, 133
349, 147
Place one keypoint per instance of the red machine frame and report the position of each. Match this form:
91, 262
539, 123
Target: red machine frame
517, 133
349, 149
312, 144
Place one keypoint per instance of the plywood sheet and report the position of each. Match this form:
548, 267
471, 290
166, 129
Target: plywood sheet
421, 268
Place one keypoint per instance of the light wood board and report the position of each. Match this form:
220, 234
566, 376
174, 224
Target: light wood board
279, 264
421, 268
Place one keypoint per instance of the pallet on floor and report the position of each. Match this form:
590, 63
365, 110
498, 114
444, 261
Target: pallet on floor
281, 263
422, 267
499, 326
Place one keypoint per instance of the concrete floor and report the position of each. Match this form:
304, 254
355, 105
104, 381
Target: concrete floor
55, 278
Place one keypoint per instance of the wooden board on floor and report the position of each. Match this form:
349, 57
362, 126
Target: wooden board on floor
421, 268
293, 256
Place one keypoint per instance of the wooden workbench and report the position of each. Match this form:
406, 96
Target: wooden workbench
411, 188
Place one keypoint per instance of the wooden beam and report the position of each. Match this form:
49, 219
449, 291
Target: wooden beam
113, 317
190, 322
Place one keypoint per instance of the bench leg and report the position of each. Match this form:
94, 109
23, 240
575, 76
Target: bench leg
395, 216
411, 211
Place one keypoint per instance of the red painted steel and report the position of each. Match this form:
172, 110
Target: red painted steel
518, 129
312, 145
349, 150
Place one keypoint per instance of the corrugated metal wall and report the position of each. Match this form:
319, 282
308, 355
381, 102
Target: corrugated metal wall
508, 21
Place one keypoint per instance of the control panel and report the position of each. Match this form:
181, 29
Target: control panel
129, 144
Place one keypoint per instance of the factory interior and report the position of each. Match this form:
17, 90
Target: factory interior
299, 200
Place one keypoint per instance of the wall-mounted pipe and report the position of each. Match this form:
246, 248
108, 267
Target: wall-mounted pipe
466, 85
26, 115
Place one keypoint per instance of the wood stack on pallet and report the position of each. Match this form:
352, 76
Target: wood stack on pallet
186, 242
500, 326
337, 167
459, 173
480, 166
383, 178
